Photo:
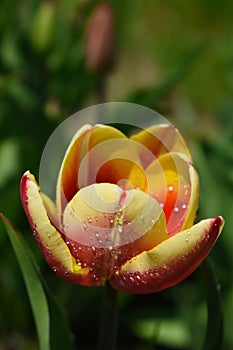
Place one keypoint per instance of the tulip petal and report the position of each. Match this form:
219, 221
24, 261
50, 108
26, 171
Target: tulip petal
48, 237
173, 182
106, 225
170, 262
69, 180
161, 139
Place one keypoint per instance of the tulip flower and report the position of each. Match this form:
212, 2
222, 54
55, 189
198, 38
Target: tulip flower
124, 211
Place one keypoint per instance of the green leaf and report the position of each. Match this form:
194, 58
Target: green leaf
33, 284
214, 330
52, 327
150, 96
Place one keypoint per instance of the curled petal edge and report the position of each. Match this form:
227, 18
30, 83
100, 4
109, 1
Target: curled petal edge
170, 262
48, 237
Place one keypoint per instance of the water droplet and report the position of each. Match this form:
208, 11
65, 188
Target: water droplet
161, 205
79, 248
89, 219
176, 210
96, 218
188, 233
85, 226
170, 188
131, 278
54, 268
153, 221
67, 242
186, 239
184, 206
120, 229
93, 249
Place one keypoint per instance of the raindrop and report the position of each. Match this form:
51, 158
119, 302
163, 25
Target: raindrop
184, 206
54, 268
89, 219
120, 229
131, 278
67, 242
93, 249
170, 188
79, 248
176, 210
186, 239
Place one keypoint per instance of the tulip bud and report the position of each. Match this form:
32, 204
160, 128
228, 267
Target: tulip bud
42, 26
100, 40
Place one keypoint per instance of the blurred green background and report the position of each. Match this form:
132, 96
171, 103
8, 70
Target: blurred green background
173, 56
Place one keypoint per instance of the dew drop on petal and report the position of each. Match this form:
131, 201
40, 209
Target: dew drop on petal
186, 239
120, 229
131, 278
89, 219
170, 188
184, 206
176, 210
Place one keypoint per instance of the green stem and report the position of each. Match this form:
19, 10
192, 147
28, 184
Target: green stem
108, 322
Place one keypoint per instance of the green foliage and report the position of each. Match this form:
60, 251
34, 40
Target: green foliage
52, 333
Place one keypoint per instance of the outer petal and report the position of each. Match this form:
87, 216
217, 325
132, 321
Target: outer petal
170, 262
48, 237
106, 225
83, 141
161, 139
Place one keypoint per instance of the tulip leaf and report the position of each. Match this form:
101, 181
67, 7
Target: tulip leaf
152, 95
52, 328
214, 330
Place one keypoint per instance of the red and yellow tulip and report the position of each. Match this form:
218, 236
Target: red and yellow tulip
124, 211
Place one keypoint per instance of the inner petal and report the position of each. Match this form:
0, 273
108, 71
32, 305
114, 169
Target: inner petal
106, 225
83, 141
170, 184
160, 139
